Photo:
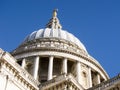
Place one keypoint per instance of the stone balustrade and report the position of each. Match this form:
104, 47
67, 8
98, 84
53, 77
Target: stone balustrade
111, 82
51, 44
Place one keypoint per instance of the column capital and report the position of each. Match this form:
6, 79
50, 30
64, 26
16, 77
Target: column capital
51, 56
64, 58
77, 61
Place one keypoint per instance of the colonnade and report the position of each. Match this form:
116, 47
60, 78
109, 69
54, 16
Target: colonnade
64, 69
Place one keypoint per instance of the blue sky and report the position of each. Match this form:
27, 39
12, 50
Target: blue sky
95, 22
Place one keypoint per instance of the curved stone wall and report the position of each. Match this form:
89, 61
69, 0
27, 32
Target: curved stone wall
48, 58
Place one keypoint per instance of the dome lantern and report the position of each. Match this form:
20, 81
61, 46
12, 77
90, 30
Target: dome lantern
54, 21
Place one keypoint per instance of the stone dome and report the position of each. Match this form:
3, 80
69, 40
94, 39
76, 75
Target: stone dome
54, 33
54, 30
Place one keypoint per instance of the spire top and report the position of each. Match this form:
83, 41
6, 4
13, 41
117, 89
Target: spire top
54, 21
55, 12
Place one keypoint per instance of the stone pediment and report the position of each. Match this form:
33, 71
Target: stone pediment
62, 82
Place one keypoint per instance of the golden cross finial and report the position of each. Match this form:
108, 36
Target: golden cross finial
55, 12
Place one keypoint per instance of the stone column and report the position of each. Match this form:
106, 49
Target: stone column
23, 63
64, 86
118, 86
78, 72
98, 78
70, 86
36, 67
90, 77
54, 88
64, 66
50, 68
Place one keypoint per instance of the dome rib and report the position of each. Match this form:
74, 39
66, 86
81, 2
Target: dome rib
32, 35
39, 34
58, 33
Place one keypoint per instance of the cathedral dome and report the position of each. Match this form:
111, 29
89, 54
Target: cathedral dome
54, 30
54, 33
51, 52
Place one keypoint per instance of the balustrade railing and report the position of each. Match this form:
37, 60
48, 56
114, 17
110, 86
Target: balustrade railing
105, 84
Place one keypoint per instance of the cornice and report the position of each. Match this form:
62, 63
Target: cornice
49, 43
